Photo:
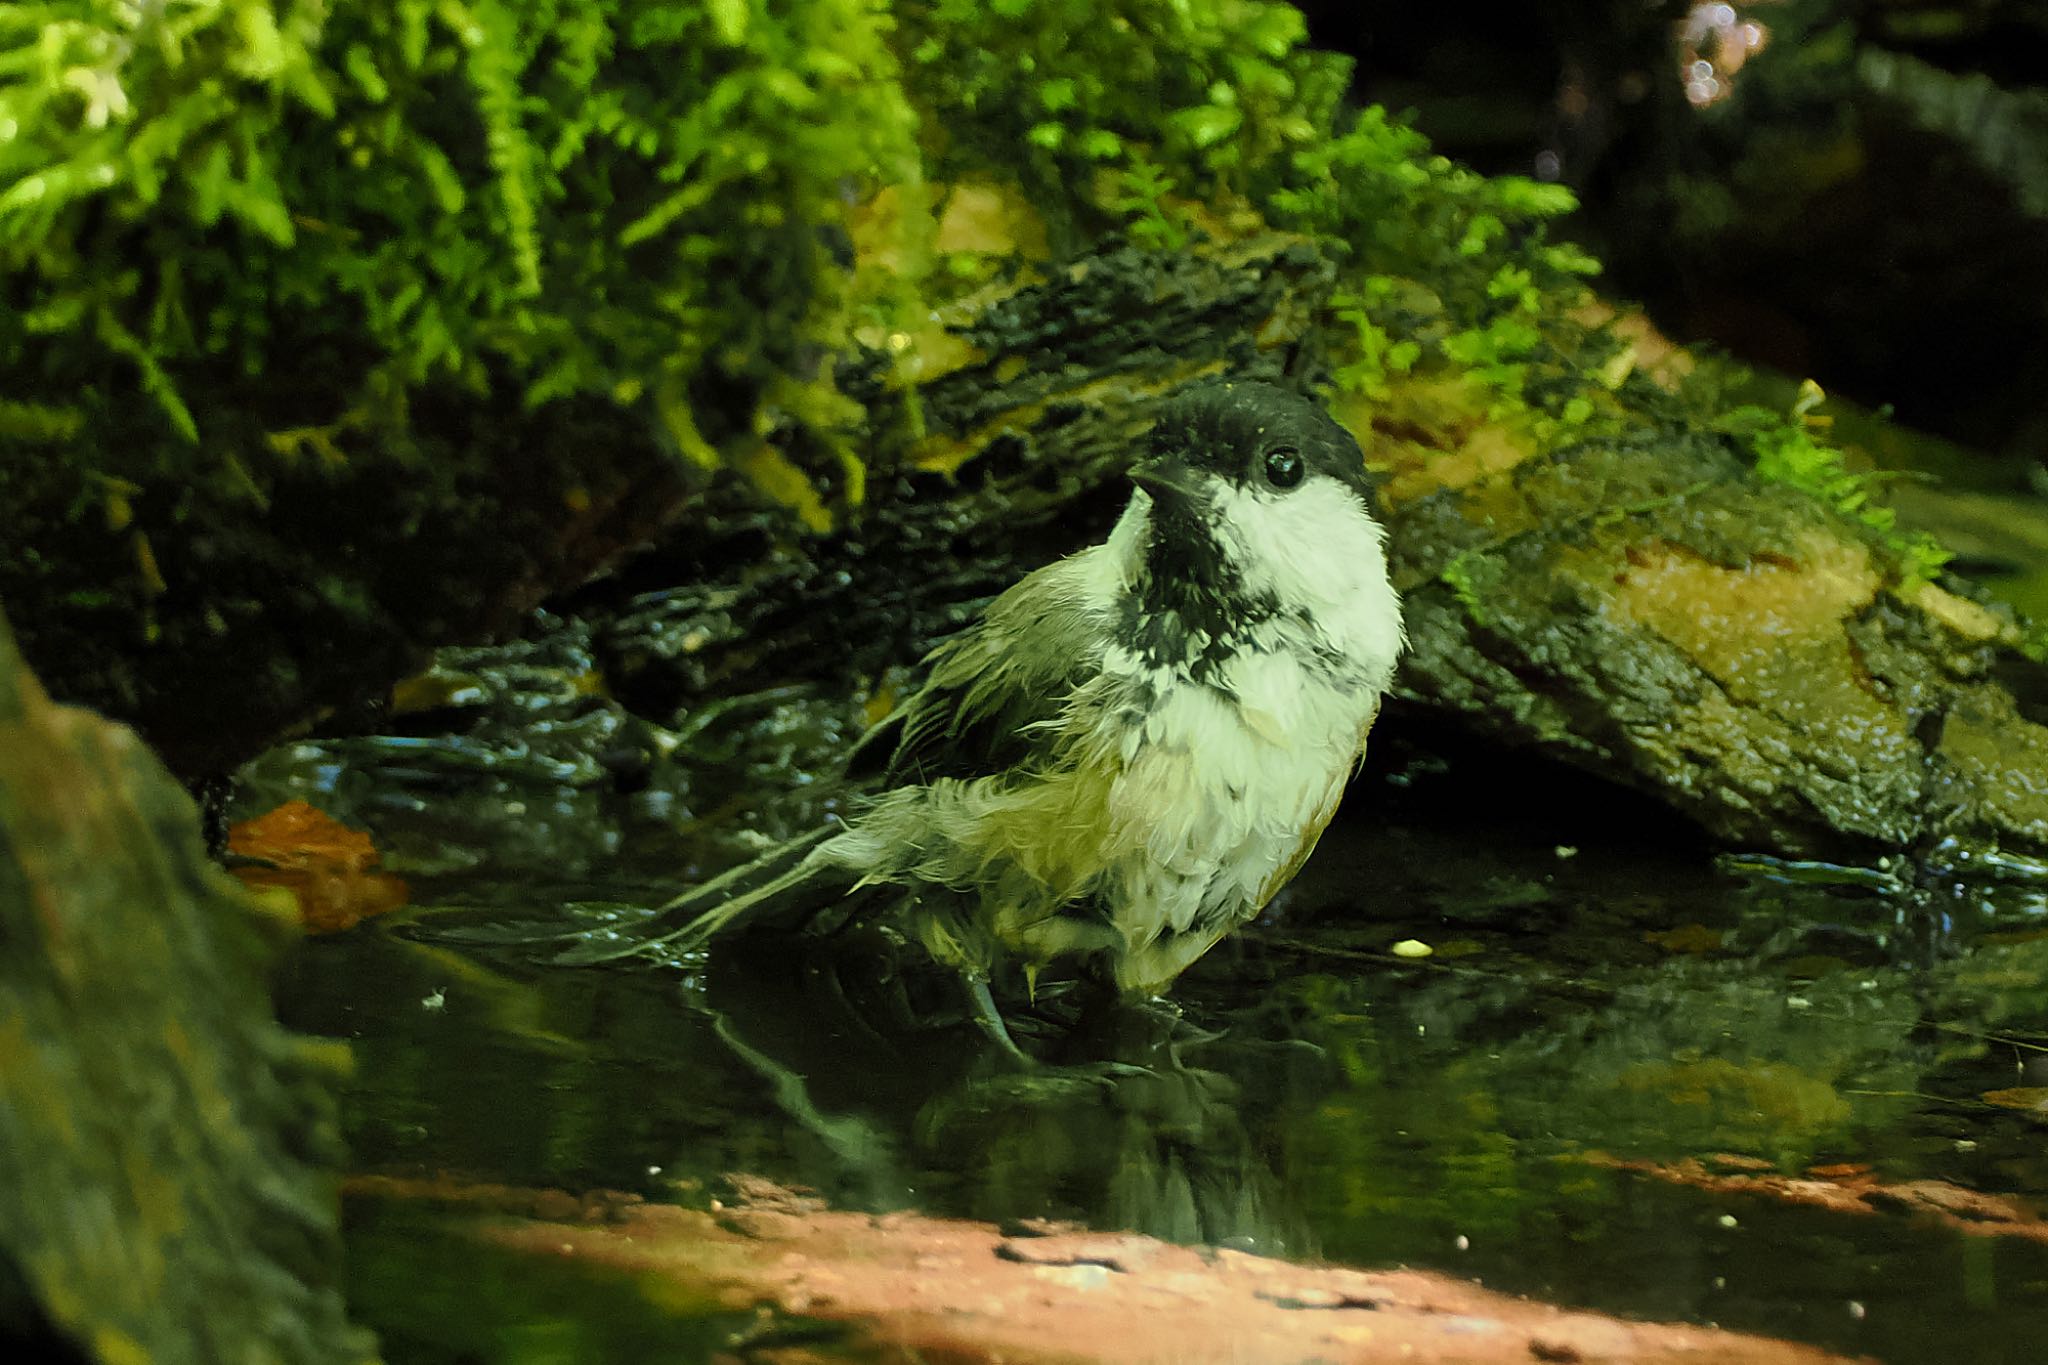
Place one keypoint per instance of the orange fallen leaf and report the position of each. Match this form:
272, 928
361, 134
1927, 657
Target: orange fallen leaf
296, 833
329, 868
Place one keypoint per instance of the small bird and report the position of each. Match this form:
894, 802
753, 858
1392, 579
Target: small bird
1133, 748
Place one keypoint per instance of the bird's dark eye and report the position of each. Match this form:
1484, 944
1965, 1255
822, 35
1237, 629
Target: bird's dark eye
1283, 466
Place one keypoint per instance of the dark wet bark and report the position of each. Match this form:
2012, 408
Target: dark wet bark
164, 1146
260, 609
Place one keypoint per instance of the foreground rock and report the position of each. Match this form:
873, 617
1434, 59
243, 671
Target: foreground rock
163, 1144
935, 1288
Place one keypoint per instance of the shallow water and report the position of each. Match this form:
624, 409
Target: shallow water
1598, 987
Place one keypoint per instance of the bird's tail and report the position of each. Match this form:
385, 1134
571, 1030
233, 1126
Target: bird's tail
783, 888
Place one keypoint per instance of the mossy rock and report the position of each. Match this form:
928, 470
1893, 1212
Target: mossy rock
169, 1158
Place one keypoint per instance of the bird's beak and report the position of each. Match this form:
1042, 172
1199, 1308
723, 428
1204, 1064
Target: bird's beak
1166, 478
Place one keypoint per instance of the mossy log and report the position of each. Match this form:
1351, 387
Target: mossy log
1651, 611
165, 1148
1630, 598
1642, 605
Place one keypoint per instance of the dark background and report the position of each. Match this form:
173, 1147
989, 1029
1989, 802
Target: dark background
1865, 204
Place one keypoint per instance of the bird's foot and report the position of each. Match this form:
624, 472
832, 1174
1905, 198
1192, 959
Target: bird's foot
981, 1007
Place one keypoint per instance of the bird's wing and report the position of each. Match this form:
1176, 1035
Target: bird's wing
986, 688
990, 690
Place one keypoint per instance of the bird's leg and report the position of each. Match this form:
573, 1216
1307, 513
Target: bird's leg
1120, 1034
981, 1006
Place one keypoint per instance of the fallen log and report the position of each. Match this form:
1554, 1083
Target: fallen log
1640, 604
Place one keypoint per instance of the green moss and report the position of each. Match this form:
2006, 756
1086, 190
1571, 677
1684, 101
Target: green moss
1104, 111
1376, 357
240, 232
1454, 263
1470, 576
576, 197
1220, 93
1152, 220
1788, 451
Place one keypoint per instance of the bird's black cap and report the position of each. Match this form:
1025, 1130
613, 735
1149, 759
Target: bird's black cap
1229, 426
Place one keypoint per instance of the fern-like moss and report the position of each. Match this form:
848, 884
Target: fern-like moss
226, 225
579, 197
1789, 451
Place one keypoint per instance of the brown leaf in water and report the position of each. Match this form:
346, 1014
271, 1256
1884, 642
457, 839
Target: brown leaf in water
329, 868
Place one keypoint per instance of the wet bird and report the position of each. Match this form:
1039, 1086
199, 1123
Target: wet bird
1132, 749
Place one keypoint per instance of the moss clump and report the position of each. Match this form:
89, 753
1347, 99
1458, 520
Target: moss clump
1219, 94
1106, 113
1789, 450
632, 201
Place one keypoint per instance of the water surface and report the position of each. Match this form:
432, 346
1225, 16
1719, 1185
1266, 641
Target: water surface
1598, 988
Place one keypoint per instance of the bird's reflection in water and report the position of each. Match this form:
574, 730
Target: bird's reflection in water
1116, 1124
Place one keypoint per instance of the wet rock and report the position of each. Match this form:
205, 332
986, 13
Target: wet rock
936, 1287
1651, 612
164, 1146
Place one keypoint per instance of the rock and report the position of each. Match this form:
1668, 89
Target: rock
165, 1148
1654, 613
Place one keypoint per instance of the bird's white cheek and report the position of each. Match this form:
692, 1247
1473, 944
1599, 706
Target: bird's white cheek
1318, 553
